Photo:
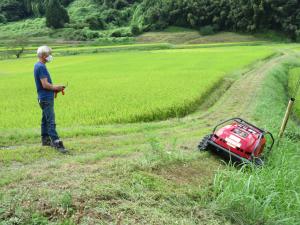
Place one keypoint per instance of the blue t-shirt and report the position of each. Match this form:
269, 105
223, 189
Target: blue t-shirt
40, 72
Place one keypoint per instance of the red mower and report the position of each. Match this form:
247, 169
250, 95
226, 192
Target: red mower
240, 140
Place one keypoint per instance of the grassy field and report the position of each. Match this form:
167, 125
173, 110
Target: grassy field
134, 112
120, 87
294, 77
148, 171
151, 173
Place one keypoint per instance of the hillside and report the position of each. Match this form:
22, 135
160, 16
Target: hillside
94, 19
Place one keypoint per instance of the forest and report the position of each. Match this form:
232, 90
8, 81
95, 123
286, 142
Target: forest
147, 15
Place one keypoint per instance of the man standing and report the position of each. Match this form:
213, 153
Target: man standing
46, 91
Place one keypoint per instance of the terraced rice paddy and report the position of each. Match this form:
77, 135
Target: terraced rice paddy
121, 86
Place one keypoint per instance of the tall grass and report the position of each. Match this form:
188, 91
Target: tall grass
271, 194
294, 76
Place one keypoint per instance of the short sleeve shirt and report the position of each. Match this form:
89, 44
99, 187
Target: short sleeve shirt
40, 72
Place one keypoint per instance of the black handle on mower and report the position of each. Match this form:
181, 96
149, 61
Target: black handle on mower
226, 121
237, 119
240, 120
273, 140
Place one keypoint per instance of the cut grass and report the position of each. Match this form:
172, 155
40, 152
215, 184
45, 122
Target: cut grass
131, 187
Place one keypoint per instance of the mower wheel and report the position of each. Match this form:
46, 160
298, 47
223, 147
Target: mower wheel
203, 145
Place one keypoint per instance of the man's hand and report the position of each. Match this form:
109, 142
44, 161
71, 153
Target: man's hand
59, 89
56, 88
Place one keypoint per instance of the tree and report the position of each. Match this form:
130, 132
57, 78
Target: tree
2, 18
95, 23
65, 2
12, 10
135, 30
17, 47
56, 14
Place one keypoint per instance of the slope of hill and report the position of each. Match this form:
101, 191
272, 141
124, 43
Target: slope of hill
92, 19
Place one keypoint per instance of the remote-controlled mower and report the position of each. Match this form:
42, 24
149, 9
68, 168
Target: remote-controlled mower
238, 139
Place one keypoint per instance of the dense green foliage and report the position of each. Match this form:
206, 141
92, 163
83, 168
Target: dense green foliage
235, 15
121, 86
56, 14
14, 10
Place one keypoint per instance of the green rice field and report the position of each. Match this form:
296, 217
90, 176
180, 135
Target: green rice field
121, 86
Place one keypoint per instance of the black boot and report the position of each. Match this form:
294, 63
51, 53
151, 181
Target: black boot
58, 144
46, 141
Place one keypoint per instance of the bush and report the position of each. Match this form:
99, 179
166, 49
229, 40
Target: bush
207, 30
90, 35
116, 33
112, 16
2, 19
95, 23
77, 25
135, 30
13, 10
56, 15
75, 35
298, 35
122, 32
65, 2
119, 4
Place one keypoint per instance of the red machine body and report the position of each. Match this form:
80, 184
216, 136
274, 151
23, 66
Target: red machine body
239, 139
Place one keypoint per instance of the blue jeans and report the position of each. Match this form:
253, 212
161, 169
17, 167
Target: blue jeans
48, 126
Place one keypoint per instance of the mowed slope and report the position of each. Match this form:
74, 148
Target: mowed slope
122, 86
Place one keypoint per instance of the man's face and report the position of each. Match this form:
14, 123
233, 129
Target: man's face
46, 56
